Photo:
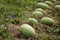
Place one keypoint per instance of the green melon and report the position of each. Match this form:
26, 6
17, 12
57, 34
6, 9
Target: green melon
37, 14
47, 21
32, 21
51, 0
57, 7
27, 31
40, 10
48, 3
43, 6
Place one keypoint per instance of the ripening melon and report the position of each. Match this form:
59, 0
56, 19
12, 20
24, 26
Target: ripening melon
37, 14
47, 21
43, 6
27, 30
48, 3
40, 10
32, 21
51, 0
57, 7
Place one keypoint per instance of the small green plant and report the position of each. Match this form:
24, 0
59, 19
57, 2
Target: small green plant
14, 21
43, 36
4, 33
27, 30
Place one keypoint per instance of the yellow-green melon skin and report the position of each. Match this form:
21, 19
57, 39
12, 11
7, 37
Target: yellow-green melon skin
27, 30
32, 21
37, 14
43, 6
48, 3
47, 21
40, 10
57, 7
51, 0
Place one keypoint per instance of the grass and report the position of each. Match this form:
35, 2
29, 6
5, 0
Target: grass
17, 12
